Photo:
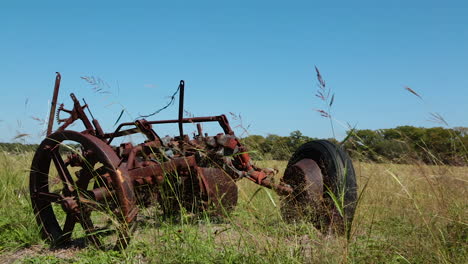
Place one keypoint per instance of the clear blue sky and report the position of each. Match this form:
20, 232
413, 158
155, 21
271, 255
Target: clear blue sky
255, 58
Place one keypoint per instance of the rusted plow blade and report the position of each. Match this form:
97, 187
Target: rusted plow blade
220, 189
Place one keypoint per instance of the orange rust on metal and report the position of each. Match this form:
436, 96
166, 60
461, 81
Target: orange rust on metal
159, 169
204, 165
308, 175
119, 176
220, 188
53, 103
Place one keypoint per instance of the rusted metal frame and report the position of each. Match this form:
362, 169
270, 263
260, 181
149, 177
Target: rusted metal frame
122, 133
87, 198
77, 113
159, 169
132, 156
96, 194
81, 114
224, 123
258, 176
147, 130
221, 119
97, 126
199, 130
100, 193
67, 121
140, 148
187, 120
280, 189
127, 170
253, 173
53, 103
113, 135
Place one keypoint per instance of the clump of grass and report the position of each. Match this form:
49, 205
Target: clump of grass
324, 93
17, 225
403, 216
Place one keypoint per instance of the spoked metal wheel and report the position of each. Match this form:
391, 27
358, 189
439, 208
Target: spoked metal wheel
325, 189
78, 193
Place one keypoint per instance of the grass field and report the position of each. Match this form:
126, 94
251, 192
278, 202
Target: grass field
406, 214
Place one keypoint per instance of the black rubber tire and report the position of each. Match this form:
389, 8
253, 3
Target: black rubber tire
338, 175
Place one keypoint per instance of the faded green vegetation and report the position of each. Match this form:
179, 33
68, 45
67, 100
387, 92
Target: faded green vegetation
408, 144
406, 214
403, 145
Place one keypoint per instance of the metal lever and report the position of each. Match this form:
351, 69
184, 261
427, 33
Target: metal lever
54, 103
181, 114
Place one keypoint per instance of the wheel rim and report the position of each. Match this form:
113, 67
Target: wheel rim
83, 197
305, 176
336, 178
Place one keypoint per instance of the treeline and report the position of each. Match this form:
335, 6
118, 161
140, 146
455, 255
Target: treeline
18, 147
403, 144
406, 144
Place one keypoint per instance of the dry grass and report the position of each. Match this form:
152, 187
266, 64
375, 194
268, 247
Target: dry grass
407, 214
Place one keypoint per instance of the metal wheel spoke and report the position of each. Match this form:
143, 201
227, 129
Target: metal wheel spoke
68, 227
70, 222
88, 226
84, 176
63, 172
50, 197
99, 175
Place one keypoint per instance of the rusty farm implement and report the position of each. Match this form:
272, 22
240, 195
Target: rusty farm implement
83, 187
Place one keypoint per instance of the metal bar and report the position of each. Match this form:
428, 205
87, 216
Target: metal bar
122, 133
160, 169
50, 197
54, 103
181, 114
89, 110
280, 189
63, 172
111, 136
80, 113
188, 120
118, 133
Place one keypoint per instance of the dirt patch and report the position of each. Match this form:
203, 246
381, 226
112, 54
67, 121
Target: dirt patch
37, 250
